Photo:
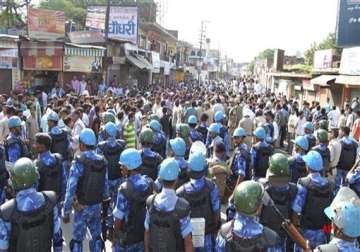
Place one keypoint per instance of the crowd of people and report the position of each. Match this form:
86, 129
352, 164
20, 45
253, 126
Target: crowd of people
150, 169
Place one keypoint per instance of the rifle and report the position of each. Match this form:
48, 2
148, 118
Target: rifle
286, 224
104, 228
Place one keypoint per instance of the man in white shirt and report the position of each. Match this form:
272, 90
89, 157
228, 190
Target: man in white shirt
78, 127
334, 116
83, 85
299, 128
335, 150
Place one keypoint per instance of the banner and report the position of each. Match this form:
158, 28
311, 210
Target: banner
46, 24
95, 17
155, 57
348, 23
8, 58
82, 64
123, 23
43, 63
350, 61
323, 59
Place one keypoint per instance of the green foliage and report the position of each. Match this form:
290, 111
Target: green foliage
75, 10
328, 43
299, 68
10, 16
265, 54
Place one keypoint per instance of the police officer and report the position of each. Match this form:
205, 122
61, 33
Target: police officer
31, 221
260, 154
297, 167
150, 159
308, 130
347, 156
344, 213
159, 145
314, 194
107, 117
177, 150
4, 175
167, 222
50, 167
245, 233
130, 209
203, 196
202, 127
59, 138
183, 131
194, 134
15, 147
88, 181
212, 138
322, 148
240, 160
111, 148
219, 118
282, 193
323, 124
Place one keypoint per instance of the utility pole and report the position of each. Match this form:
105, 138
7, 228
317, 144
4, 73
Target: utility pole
202, 36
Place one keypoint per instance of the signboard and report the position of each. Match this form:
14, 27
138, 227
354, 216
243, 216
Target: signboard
7, 62
123, 23
348, 23
42, 63
95, 17
155, 57
350, 61
86, 37
8, 53
82, 64
46, 24
323, 59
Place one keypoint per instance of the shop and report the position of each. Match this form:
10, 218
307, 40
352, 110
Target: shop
350, 87
9, 69
326, 88
42, 62
80, 60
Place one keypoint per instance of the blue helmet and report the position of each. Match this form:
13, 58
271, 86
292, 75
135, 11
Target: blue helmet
219, 116
178, 146
192, 119
197, 162
130, 158
53, 117
215, 128
169, 169
309, 126
239, 132
302, 142
155, 125
346, 216
87, 137
313, 161
14, 121
260, 133
111, 129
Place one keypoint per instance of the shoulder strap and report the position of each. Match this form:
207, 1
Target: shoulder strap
271, 238
51, 197
182, 207
7, 209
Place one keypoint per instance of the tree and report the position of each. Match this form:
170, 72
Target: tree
10, 16
265, 54
75, 10
328, 43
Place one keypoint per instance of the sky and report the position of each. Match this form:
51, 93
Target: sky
243, 28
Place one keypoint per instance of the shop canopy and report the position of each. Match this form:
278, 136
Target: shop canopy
72, 49
352, 80
323, 80
132, 55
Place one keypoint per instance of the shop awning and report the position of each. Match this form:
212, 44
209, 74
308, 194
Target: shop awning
323, 80
135, 61
84, 50
348, 80
145, 61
